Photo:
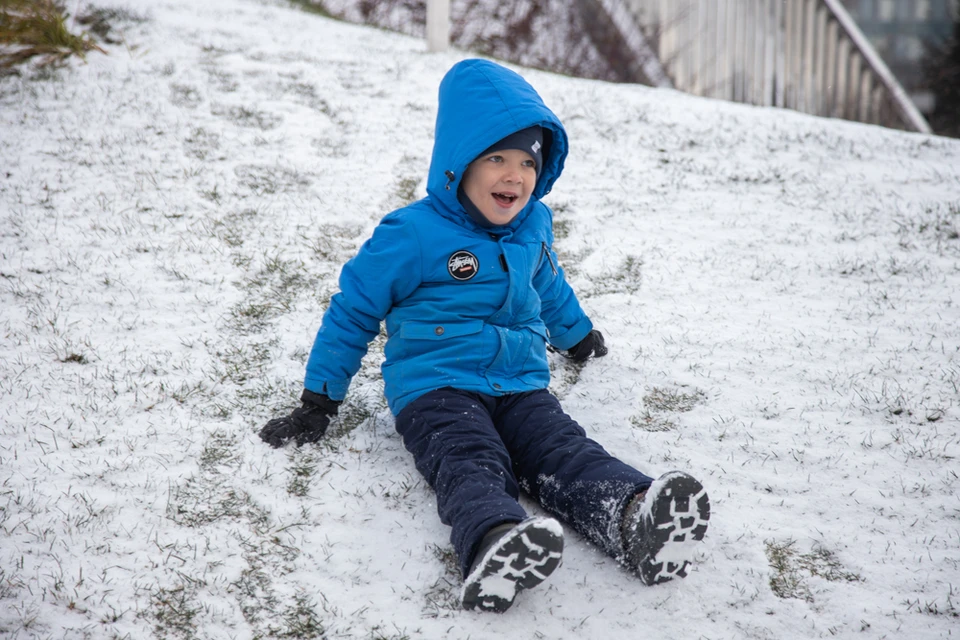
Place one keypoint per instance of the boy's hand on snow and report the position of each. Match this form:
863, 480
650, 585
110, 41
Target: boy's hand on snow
592, 345
307, 423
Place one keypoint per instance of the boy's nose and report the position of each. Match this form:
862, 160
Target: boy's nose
512, 175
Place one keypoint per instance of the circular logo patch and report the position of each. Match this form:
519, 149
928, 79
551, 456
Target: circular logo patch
463, 265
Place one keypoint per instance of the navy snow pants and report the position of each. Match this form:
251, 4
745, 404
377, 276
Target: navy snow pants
477, 451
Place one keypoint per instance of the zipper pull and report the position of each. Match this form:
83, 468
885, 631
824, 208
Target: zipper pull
546, 251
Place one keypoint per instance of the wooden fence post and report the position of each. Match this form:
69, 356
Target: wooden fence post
438, 25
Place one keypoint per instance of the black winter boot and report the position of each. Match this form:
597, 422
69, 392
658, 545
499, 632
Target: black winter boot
662, 529
510, 558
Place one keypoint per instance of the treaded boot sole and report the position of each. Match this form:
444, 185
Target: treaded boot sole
670, 527
522, 559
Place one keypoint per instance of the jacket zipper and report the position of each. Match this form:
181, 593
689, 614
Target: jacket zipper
546, 251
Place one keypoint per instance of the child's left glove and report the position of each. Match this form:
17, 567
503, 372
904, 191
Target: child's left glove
307, 423
592, 345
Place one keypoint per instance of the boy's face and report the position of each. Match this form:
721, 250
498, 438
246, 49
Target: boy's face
500, 184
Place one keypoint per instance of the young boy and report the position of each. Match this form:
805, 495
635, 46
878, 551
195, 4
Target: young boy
471, 292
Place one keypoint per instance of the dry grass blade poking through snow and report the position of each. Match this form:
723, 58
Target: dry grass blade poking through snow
31, 28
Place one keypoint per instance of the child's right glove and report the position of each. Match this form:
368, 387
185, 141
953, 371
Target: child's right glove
592, 345
307, 423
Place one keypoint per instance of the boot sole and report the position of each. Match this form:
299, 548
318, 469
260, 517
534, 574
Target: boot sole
522, 559
677, 521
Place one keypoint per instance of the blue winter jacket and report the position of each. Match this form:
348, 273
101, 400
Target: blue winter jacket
465, 306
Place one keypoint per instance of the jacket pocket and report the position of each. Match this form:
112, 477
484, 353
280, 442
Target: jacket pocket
439, 330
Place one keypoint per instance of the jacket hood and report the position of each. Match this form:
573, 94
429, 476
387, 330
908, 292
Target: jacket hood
480, 103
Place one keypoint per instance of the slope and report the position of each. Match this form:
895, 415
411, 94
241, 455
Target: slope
779, 293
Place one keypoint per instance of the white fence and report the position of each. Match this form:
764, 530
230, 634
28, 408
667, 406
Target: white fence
806, 55
438, 25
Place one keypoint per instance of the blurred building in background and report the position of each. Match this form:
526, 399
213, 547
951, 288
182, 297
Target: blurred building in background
860, 60
902, 31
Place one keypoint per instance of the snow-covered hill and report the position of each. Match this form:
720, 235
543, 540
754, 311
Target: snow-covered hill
780, 295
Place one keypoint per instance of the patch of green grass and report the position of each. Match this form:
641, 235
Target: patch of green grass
220, 448
937, 226
272, 290
823, 563
186, 390
247, 117
79, 358
564, 374
264, 395
281, 275
300, 620
175, 610
221, 80
786, 579
100, 21
934, 607
38, 29
331, 147
251, 316
407, 189
10, 585
333, 242
660, 399
302, 470
245, 360
652, 422
407, 174
184, 95
443, 596
311, 7
791, 569
266, 180
204, 499
626, 277
353, 413
561, 229
378, 633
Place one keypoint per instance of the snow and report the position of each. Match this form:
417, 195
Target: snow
779, 294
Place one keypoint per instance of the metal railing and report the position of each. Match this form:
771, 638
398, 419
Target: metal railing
806, 55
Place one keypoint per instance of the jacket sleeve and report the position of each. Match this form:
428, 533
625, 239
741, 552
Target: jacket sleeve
387, 269
566, 322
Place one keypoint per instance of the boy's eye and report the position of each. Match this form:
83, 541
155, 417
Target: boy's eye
529, 163
495, 158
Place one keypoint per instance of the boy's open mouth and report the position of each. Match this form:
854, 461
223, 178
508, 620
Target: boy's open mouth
504, 198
